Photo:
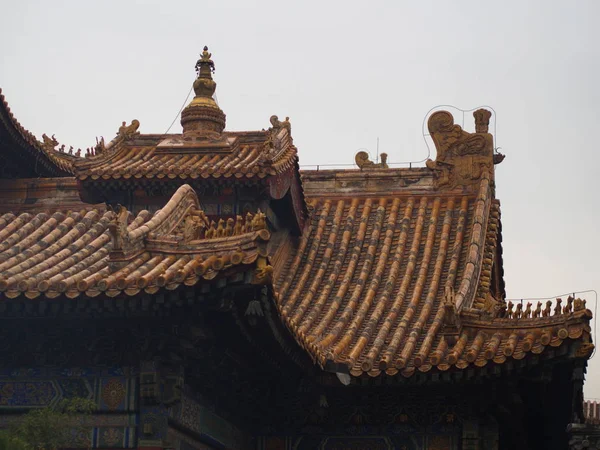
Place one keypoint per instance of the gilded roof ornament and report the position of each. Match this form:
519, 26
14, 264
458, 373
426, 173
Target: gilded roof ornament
277, 124
49, 143
205, 61
462, 158
128, 131
363, 162
203, 118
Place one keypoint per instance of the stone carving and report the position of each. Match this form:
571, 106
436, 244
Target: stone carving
363, 162
128, 131
462, 158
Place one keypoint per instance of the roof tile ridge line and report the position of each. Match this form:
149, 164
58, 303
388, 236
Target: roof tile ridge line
493, 345
88, 278
150, 165
63, 249
378, 343
11, 267
92, 261
111, 148
351, 311
108, 283
75, 252
476, 346
93, 162
156, 262
409, 314
367, 301
171, 272
301, 309
235, 158
328, 286
14, 258
325, 321
283, 156
140, 159
190, 164
392, 315
491, 242
14, 225
126, 157
30, 138
426, 310
25, 133
5, 219
472, 270
89, 251
13, 243
295, 265
32, 240
207, 165
250, 158
312, 253
184, 192
452, 270
65, 233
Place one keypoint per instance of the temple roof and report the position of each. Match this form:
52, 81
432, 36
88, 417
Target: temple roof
93, 252
237, 155
397, 283
382, 283
394, 271
203, 150
29, 156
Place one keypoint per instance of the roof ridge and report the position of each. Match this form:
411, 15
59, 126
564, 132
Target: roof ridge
62, 165
468, 286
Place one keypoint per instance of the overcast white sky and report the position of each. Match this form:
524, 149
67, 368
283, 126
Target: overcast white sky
346, 73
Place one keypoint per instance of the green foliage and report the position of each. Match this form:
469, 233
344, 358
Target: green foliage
51, 428
8, 441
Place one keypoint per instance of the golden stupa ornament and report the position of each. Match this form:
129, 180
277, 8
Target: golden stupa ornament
203, 118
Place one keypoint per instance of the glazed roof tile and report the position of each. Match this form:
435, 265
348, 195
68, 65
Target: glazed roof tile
239, 155
93, 252
55, 163
380, 283
384, 283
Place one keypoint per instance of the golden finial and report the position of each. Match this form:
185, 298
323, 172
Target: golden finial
203, 118
205, 62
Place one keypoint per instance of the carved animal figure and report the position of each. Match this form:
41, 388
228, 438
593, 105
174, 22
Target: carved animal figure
277, 124
128, 131
49, 143
538, 310
118, 228
363, 162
